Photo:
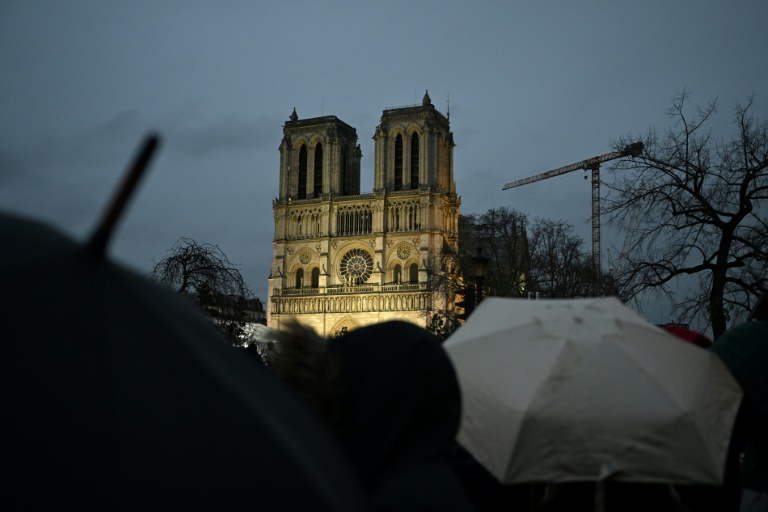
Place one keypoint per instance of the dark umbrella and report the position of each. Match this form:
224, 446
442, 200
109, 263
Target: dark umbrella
117, 394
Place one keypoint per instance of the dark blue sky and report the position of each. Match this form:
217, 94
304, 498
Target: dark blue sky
533, 85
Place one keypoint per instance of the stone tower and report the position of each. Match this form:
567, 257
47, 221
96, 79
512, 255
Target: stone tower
344, 259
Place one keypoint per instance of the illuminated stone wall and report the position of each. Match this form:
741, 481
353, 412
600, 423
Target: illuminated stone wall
343, 260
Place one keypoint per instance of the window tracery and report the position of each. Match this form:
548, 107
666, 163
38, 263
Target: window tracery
356, 267
354, 220
405, 216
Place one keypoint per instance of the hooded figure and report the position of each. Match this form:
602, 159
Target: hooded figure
744, 349
395, 407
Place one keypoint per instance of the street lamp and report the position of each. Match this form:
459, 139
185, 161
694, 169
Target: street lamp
472, 294
479, 264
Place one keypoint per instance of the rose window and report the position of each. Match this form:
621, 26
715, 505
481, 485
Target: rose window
356, 266
403, 252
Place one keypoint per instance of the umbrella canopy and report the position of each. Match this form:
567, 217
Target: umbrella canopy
688, 335
117, 394
585, 389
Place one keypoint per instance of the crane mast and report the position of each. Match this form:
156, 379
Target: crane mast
590, 164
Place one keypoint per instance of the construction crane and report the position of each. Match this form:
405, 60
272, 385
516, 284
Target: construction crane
591, 164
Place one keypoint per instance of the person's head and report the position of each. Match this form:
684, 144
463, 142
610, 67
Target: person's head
388, 391
302, 361
398, 394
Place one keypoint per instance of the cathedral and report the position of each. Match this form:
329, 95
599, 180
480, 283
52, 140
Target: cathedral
343, 259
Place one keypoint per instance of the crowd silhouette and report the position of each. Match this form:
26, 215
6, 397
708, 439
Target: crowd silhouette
147, 408
388, 394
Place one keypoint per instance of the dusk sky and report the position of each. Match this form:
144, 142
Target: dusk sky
533, 85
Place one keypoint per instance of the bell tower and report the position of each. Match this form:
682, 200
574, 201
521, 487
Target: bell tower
318, 156
414, 149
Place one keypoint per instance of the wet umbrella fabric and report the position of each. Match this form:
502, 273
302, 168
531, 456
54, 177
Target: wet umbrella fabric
117, 394
585, 389
688, 335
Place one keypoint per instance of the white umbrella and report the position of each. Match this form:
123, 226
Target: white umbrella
585, 389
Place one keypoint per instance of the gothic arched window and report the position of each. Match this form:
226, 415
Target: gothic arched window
413, 273
300, 278
397, 274
302, 192
315, 278
343, 171
399, 162
415, 160
318, 169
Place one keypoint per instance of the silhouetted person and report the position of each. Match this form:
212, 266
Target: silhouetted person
390, 394
484, 491
744, 349
610, 496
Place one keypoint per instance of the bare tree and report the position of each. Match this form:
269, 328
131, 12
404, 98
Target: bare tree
443, 279
546, 257
693, 208
502, 234
204, 272
559, 266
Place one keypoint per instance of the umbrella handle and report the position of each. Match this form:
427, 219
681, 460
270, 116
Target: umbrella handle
97, 245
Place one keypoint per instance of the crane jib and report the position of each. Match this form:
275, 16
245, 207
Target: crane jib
590, 164
587, 164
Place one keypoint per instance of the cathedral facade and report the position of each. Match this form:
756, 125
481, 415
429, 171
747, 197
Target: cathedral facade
343, 259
